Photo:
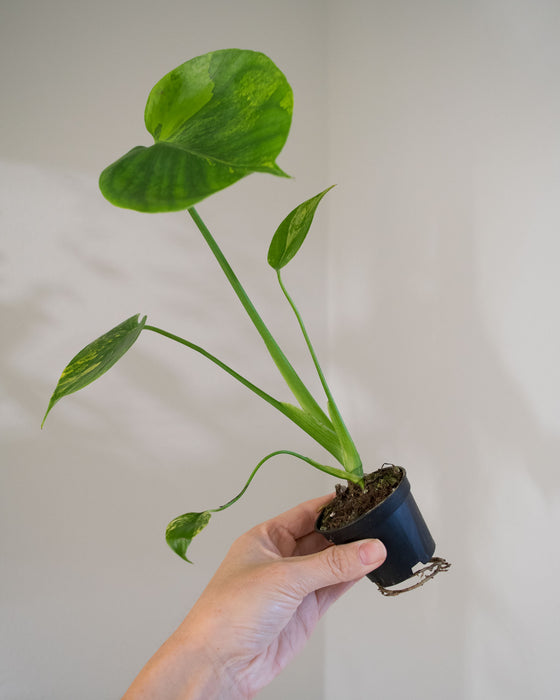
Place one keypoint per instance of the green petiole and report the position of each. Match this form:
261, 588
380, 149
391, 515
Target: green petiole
323, 435
332, 471
351, 459
298, 388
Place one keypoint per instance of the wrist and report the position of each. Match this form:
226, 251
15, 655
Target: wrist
200, 677
197, 651
182, 669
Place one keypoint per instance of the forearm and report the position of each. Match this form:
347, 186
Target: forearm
181, 670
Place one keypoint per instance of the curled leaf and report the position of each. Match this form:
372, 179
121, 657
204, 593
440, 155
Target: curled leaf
96, 358
180, 531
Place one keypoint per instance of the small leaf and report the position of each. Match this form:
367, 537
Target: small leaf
180, 531
292, 231
214, 119
96, 358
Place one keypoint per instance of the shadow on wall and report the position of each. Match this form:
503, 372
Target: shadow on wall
84, 503
71, 268
69, 255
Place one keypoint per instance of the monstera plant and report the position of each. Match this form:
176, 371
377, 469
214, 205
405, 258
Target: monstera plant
214, 120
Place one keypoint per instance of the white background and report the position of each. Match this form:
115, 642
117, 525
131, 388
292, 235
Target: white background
429, 285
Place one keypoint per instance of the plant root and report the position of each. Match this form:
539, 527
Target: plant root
434, 566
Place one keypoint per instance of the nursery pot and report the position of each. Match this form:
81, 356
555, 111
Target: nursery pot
398, 523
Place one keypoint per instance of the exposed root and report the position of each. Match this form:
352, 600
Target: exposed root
434, 566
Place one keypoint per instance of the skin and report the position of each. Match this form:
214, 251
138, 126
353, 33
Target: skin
257, 612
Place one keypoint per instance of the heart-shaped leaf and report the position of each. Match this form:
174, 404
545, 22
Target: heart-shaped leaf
292, 231
180, 531
96, 358
214, 119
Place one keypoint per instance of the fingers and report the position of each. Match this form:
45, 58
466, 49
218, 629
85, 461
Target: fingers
310, 544
336, 565
327, 596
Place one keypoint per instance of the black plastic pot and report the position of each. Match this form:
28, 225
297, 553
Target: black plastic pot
398, 523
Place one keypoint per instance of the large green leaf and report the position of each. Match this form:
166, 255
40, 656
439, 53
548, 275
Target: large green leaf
292, 231
180, 531
214, 119
96, 358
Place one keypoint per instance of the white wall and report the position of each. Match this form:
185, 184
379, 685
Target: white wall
445, 335
89, 588
442, 133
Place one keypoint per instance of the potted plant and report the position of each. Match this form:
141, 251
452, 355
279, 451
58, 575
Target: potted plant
216, 119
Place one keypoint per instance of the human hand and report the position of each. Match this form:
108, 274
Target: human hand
258, 610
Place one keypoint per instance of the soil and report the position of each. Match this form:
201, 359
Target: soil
351, 501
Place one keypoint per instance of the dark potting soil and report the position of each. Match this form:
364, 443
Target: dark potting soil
351, 501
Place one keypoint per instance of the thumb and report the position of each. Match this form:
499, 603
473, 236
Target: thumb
339, 564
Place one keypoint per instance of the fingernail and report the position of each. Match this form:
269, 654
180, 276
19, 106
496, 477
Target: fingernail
372, 552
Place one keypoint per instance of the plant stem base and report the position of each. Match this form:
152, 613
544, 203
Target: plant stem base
396, 521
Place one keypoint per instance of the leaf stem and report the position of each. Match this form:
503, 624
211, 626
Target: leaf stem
339, 473
255, 389
324, 436
306, 337
351, 459
300, 391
